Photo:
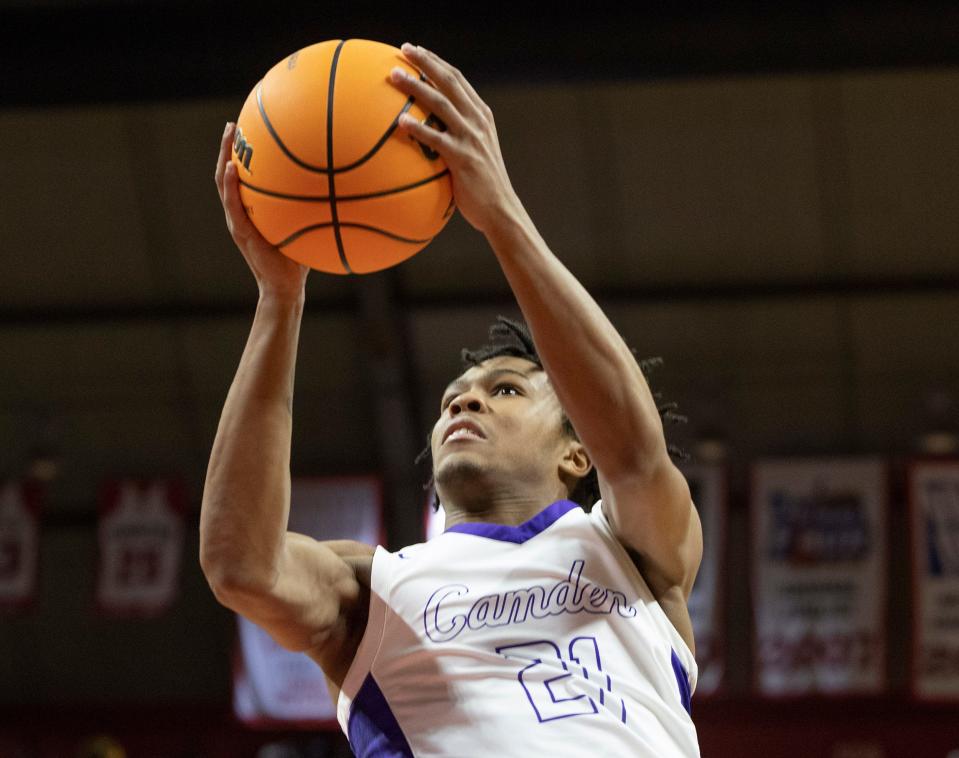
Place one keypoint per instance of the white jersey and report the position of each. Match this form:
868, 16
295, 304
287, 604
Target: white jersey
534, 640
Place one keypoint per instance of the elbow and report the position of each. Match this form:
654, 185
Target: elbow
232, 563
223, 594
229, 579
220, 580
235, 592
214, 567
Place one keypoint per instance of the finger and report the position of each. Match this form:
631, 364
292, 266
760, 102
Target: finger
429, 98
224, 156
238, 221
445, 77
439, 141
430, 59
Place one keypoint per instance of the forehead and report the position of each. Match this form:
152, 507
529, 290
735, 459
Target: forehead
507, 364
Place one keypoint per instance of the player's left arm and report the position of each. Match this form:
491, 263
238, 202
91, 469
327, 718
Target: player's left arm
595, 376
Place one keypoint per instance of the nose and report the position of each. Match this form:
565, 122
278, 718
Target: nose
466, 401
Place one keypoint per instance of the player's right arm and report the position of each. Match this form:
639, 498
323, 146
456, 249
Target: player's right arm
305, 593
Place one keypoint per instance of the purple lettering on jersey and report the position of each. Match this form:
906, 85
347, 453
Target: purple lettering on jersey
457, 623
442, 622
554, 695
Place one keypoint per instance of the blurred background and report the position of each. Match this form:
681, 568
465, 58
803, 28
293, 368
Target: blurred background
767, 197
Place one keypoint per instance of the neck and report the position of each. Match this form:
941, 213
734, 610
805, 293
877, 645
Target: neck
499, 507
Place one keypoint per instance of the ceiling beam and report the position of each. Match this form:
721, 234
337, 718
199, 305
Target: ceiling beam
110, 52
67, 315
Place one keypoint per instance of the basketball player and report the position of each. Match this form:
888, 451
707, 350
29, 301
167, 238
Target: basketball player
530, 627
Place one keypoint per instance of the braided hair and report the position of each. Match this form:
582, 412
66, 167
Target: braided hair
512, 338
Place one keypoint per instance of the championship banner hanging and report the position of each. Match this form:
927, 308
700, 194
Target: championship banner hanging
19, 545
707, 484
934, 517
140, 533
271, 685
818, 576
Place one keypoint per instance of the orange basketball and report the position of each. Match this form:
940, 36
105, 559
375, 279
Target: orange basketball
325, 173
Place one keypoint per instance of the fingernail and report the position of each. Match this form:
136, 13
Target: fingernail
397, 74
226, 128
408, 48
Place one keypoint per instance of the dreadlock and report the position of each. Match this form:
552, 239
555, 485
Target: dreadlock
512, 338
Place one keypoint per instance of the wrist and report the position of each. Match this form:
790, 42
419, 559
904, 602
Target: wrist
507, 221
281, 300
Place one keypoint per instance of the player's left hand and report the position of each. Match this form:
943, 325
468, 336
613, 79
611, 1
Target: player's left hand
469, 146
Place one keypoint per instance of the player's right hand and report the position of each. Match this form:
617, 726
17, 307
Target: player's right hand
276, 275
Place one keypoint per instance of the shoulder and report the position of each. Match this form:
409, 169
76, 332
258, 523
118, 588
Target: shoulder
390, 566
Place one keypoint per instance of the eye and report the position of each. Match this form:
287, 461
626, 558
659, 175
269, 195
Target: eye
506, 388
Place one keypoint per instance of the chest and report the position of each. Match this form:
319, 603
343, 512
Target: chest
466, 596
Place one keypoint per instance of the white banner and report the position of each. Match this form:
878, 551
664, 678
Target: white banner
934, 515
19, 545
707, 484
273, 686
818, 569
140, 534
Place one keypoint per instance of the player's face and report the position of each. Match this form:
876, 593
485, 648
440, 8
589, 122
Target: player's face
500, 424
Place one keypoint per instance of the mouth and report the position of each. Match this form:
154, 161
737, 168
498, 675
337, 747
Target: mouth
460, 431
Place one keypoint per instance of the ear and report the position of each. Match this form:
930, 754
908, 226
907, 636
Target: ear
575, 463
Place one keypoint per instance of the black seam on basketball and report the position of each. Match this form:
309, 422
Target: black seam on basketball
382, 140
345, 198
326, 169
329, 159
350, 225
276, 137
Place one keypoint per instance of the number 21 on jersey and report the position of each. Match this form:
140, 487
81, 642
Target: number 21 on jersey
561, 686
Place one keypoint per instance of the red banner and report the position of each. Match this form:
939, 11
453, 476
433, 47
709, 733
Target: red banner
140, 536
934, 517
19, 545
819, 583
275, 687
